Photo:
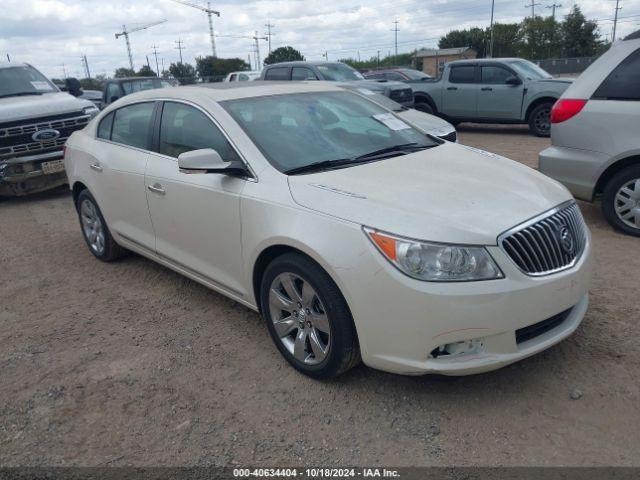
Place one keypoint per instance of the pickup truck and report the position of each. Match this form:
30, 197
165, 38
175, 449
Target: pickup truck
36, 119
337, 72
505, 90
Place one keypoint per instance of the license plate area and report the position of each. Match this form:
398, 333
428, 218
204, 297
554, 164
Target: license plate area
55, 166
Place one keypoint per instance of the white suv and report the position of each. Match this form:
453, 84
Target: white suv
595, 148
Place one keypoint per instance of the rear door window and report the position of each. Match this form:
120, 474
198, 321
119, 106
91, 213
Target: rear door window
624, 82
277, 73
463, 74
132, 125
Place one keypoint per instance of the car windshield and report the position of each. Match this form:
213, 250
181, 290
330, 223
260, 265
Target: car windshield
415, 74
339, 72
294, 131
134, 86
23, 80
529, 70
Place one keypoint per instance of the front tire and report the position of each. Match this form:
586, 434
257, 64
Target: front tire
621, 201
308, 318
423, 107
540, 120
95, 231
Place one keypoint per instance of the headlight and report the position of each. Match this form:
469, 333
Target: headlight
435, 262
91, 111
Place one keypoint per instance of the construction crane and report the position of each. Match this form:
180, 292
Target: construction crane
209, 11
256, 47
126, 31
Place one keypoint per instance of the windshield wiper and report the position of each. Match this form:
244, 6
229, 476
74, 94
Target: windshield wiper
407, 147
318, 166
19, 94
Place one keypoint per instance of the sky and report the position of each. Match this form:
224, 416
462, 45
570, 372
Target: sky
54, 34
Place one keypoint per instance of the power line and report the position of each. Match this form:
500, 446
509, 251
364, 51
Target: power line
553, 7
533, 6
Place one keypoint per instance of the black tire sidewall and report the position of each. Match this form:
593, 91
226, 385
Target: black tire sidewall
609, 198
534, 114
343, 335
424, 108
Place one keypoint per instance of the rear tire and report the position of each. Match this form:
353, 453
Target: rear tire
308, 318
95, 231
540, 120
621, 201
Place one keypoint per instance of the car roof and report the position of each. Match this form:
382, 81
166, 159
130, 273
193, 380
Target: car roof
480, 61
13, 64
222, 91
128, 79
303, 63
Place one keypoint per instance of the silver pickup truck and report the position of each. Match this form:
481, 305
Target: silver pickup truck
504, 90
36, 119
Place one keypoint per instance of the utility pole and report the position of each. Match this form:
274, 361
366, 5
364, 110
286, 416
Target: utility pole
493, 4
615, 21
533, 8
148, 64
395, 30
179, 42
269, 27
553, 7
155, 54
378, 58
64, 71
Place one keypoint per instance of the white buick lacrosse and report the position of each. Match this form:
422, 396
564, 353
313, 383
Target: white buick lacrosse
352, 233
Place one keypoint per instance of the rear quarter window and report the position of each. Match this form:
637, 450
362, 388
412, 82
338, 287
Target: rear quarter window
104, 127
623, 83
277, 73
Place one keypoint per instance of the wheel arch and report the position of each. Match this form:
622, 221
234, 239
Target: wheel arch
612, 170
78, 187
539, 101
422, 97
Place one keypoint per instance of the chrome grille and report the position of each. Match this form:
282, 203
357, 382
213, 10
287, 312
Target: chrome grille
549, 243
29, 127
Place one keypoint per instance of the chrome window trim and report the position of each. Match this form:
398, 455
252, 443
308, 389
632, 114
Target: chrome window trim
533, 221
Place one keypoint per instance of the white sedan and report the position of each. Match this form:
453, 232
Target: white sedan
355, 235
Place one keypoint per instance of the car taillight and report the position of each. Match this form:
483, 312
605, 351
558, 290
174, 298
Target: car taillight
565, 108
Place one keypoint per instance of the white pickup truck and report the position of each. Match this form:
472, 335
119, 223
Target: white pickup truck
36, 119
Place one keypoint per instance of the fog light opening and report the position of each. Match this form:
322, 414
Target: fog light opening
465, 347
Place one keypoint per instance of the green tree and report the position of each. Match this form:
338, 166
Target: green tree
211, 69
580, 37
183, 72
283, 54
123, 72
92, 83
507, 39
539, 36
400, 60
146, 71
476, 38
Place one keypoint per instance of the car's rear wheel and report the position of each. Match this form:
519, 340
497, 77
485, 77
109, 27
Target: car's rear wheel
621, 201
540, 120
95, 231
307, 317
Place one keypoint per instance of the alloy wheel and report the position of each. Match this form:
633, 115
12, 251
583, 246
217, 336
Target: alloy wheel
542, 120
92, 226
299, 318
627, 203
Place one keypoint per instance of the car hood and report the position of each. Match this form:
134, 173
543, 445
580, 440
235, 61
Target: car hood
449, 193
36, 106
425, 122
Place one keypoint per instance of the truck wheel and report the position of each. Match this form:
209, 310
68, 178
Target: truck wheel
423, 107
540, 120
621, 201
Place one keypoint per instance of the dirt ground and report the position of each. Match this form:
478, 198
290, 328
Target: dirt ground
131, 364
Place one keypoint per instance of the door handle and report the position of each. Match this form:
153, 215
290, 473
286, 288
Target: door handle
95, 166
486, 89
452, 88
156, 188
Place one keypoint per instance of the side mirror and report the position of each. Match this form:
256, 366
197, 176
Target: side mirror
513, 80
207, 160
73, 86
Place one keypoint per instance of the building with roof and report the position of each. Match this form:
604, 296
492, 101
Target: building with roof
433, 60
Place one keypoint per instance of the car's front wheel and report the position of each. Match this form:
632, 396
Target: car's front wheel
621, 201
540, 120
307, 317
95, 231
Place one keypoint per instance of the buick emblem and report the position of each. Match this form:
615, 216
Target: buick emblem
566, 240
45, 135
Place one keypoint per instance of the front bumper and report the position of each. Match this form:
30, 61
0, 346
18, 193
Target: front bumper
24, 175
406, 320
576, 169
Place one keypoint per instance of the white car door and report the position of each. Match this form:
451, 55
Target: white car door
196, 216
119, 168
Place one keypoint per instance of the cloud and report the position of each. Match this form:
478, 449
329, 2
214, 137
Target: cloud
50, 33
